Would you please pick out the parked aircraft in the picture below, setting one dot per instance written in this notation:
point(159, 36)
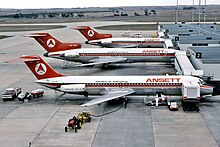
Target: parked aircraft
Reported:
point(109, 87)
point(103, 56)
point(51, 44)
point(106, 40)
point(97, 56)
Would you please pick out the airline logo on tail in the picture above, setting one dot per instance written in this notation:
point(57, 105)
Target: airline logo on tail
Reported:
point(51, 43)
point(40, 69)
point(91, 33)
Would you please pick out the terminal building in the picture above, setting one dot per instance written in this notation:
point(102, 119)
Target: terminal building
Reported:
point(185, 36)
point(202, 46)
point(207, 59)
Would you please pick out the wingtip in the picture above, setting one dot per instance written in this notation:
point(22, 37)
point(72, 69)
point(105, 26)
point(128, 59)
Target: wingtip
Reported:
point(36, 35)
point(83, 105)
point(80, 27)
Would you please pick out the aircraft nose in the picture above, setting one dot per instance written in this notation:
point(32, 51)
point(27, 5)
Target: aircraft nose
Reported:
point(206, 89)
point(46, 55)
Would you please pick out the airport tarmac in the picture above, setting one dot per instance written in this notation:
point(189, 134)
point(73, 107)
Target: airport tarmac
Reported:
point(41, 121)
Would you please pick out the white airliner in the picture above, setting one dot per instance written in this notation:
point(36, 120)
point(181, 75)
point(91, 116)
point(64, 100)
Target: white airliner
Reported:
point(103, 56)
point(96, 56)
point(106, 40)
point(108, 87)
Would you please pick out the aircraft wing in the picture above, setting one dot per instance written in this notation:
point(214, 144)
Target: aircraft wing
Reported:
point(105, 60)
point(110, 95)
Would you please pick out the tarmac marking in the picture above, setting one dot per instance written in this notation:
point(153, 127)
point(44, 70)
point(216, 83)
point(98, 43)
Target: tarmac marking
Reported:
point(47, 122)
point(97, 129)
point(10, 112)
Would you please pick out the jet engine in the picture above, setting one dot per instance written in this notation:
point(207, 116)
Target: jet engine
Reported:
point(106, 42)
point(72, 55)
point(73, 88)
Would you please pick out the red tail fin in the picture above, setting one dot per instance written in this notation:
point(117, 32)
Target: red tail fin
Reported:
point(51, 44)
point(39, 67)
point(91, 34)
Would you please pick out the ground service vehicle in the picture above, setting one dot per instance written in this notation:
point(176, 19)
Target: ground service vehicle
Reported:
point(173, 106)
point(10, 93)
point(23, 96)
point(191, 96)
point(73, 123)
point(37, 93)
point(153, 102)
point(76, 122)
point(190, 106)
point(84, 117)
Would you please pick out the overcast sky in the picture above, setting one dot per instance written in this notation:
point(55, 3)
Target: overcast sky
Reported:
point(94, 3)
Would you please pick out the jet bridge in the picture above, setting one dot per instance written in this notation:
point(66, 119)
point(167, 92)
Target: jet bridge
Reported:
point(184, 66)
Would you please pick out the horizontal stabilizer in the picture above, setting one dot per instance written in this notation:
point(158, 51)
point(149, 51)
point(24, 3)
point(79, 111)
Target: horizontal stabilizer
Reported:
point(80, 27)
point(36, 35)
point(24, 59)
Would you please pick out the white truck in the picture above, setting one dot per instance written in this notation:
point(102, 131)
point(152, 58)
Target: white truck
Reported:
point(191, 96)
point(191, 91)
point(10, 93)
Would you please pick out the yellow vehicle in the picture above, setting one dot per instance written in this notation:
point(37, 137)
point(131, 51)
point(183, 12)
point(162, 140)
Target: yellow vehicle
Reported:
point(84, 117)
point(76, 122)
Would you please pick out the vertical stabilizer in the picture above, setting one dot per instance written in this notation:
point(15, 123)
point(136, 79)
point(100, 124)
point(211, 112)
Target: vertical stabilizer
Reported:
point(51, 44)
point(39, 67)
point(91, 34)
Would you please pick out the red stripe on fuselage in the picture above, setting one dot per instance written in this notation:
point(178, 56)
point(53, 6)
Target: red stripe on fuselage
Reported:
point(134, 85)
point(128, 54)
point(128, 85)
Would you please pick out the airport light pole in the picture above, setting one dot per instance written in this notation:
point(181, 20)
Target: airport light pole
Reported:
point(199, 15)
point(204, 13)
point(215, 19)
point(193, 12)
point(177, 11)
point(214, 14)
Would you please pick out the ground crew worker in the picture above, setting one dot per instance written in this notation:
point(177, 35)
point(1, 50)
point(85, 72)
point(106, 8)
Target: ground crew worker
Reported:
point(125, 102)
point(157, 100)
point(163, 97)
point(74, 118)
